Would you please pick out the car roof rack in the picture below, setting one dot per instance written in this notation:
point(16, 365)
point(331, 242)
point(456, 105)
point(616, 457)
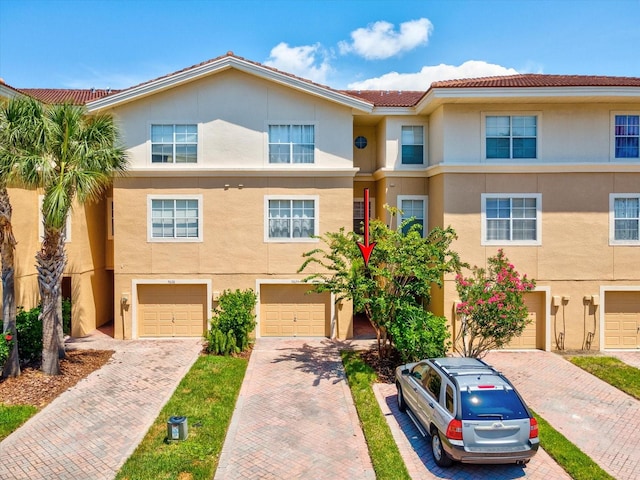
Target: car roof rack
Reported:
point(454, 366)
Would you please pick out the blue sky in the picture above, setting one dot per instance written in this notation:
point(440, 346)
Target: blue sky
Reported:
point(376, 44)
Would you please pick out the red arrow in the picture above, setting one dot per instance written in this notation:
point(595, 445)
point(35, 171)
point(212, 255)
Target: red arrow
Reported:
point(367, 248)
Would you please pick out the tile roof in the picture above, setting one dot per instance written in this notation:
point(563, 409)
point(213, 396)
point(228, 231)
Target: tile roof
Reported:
point(388, 98)
point(61, 95)
point(539, 80)
point(379, 98)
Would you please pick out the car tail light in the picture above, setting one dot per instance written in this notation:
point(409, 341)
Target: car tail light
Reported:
point(533, 428)
point(486, 386)
point(454, 430)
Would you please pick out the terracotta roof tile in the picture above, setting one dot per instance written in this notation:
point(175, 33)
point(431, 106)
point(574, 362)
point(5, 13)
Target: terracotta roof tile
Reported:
point(388, 98)
point(60, 95)
point(539, 80)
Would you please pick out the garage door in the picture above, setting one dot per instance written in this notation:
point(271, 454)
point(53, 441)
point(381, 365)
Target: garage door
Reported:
point(621, 319)
point(533, 335)
point(289, 311)
point(172, 310)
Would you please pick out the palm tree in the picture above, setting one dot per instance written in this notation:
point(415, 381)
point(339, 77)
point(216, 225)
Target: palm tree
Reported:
point(12, 145)
point(75, 158)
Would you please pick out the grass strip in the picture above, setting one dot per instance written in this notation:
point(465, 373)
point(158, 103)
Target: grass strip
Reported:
point(613, 371)
point(386, 459)
point(578, 465)
point(206, 396)
point(12, 416)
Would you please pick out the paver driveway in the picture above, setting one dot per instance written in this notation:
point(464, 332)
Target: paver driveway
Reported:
point(416, 451)
point(89, 431)
point(295, 417)
point(600, 419)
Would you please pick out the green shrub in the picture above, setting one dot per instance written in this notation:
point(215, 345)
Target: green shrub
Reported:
point(29, 329)
point(232, 323)
point(6, 342)
point(66, 316)
point(418, 334)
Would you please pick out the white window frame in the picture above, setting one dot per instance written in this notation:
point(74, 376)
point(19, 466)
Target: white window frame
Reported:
point(173, 164)
point(511, 114)
point(151, 238)
point(372, 208)
point(67, 227)
point(612, 220)
point(536, 242)
point(291, 163)
point(316, 220)
point(110, 218)
point(425, 208)
point(612, 152)
point(423, 144)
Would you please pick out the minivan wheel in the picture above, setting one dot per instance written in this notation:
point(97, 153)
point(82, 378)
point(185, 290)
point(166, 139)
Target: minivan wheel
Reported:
point(402, 406)
point(439, 455)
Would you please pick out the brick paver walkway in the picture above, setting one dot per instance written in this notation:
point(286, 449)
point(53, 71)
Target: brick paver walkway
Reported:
point(295, 417)
point(91, 429)
point(600, 419)
point(416, 451)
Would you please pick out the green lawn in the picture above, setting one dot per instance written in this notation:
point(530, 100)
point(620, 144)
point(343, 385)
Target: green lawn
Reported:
point(207, 397)
point(383, 450)
point(622, 376)
point(12, 416)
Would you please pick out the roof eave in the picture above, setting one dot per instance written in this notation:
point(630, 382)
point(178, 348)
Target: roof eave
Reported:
point(219, 65)
point(437, 96)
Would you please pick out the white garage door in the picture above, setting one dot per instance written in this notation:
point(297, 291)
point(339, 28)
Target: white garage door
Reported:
point(289, 311)
point(533, 335)
point(621, 319)
point(172, 310)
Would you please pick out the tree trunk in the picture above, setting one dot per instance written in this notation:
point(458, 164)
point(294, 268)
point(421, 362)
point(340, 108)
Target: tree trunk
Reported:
point(51, 260)
point(7, 248)
point(59, 330)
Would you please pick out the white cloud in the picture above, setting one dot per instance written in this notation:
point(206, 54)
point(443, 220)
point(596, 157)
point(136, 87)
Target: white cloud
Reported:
point(379, 40)
point(422, 79)
point(309, 61)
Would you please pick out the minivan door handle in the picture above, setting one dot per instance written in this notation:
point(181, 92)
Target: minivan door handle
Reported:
point(431, 404)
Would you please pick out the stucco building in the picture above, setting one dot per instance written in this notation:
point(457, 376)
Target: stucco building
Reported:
point(235, 165)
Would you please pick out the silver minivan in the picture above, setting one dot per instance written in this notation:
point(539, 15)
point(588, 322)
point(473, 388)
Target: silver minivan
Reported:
point(471, 411)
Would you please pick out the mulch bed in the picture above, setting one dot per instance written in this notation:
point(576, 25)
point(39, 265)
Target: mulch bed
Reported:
point(33, 387)
point(384, 367)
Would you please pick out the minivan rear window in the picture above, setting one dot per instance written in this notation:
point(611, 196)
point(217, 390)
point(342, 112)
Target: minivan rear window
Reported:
point(501, 404)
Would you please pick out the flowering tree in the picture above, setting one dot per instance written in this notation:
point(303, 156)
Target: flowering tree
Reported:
point(492, 306)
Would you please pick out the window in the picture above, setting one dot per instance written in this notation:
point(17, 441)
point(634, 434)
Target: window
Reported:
point(291, 143)
point(624, 221)
point(291, 218)
point(433, 383)
point(174, 218)
point(174, 143)
point(412, 207)
point(511, 219)
point(412, 145)
point(448, 399)
point(358, 213)
point(627, 132)
point(511, 136)
point(502, 403)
